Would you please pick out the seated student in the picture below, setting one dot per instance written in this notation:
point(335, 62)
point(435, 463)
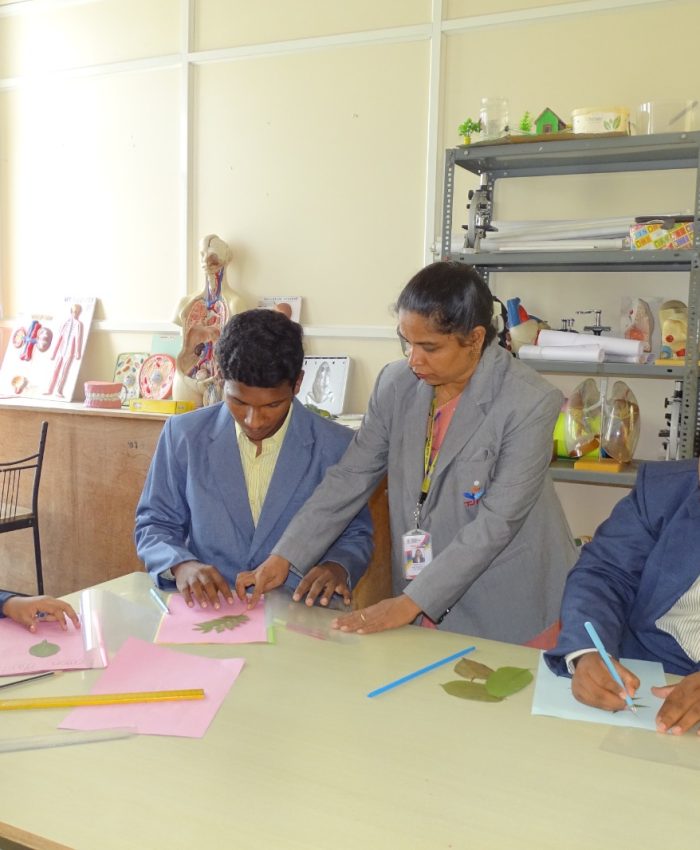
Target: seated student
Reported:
point(226, 480)
point(30, 610)
point(638, 582)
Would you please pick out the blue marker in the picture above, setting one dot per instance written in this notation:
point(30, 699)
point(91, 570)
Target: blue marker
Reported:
point(416, 673)
point(598, 643)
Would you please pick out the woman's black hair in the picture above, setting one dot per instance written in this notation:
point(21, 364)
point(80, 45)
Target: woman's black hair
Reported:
point(453, 296)
point(261, 348)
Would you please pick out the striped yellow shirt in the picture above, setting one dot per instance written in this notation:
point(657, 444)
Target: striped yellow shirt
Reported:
point(258, 469)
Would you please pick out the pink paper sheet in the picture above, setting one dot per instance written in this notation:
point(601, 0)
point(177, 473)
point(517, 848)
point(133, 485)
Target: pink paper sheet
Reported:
point(180, 625)
point(141, 666)
point(16, 641)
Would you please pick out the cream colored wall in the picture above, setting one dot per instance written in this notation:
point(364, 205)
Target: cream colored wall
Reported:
point(310, 137)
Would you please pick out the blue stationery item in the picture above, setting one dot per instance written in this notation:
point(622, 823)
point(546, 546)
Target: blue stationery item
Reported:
point(158, 600)
point(598, 643)
point(512, 308)
point(416, 673)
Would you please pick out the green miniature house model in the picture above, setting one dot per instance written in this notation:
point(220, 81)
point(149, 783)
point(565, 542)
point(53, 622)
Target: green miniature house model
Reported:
point(548, 122)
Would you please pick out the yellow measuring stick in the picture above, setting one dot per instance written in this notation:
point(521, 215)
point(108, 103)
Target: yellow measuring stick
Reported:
point(100, 699)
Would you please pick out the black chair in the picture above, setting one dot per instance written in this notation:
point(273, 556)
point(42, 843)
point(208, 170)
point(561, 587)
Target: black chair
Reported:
point(17, 479)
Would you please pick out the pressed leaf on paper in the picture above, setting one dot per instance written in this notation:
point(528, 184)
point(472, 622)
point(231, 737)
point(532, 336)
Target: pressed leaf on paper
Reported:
point(508, 680)
point(44, 649)
point(472, 669)
point(220, 624)
point(469, 690)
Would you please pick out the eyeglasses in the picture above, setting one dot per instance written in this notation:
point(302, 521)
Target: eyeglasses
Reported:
point(405, 344)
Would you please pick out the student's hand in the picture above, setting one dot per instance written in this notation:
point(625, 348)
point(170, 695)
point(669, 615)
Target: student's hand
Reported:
point(593, 685)
point(270, 574)
point(681, 708)
point(201, 583)
point(325, 579)
point(30, 610)
point(387, 614)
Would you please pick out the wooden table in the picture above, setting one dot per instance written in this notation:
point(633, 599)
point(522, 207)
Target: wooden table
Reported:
point(299, 758)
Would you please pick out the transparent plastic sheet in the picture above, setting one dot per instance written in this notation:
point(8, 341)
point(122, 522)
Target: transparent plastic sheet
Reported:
point(676, 750)
point(108, 620)
point(315, 622)
point(63, 739)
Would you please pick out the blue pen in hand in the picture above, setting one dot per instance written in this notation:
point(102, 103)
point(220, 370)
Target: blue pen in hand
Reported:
point(598, 643)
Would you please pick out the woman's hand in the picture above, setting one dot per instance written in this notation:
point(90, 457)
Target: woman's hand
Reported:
point(593, 685)
point(387, 614)
point(30, 610)
point(681, 708)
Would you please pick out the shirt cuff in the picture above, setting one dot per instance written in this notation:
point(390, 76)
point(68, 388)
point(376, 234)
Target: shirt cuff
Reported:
point(572, 656)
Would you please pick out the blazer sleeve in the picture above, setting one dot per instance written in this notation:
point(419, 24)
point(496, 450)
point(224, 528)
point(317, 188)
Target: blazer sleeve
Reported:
point(603, 584)
point(519, 475)
point(353, 549)
point(341, 495)
point(4, 596)
point(162, 513)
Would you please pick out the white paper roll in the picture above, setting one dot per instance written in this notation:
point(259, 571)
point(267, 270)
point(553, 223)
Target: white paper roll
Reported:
point(572, 353)
point(609, 344)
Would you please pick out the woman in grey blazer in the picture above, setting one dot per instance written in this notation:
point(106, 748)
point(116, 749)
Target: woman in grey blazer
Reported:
point(500, 547)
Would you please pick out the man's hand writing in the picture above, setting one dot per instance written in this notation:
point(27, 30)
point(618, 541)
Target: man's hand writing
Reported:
point(593, 685)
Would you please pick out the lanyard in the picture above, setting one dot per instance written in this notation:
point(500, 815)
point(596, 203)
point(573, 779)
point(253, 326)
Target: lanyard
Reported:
point(428, 464)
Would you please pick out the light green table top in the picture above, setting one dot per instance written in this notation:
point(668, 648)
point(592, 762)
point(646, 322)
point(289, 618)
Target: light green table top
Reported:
point(299, 758)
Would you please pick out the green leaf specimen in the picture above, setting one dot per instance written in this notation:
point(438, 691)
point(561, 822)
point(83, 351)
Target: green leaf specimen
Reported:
point(472, 669)
point(470, 690)
point(495, 684)
point(44, 649)
point(508, 680)
point(220, 624)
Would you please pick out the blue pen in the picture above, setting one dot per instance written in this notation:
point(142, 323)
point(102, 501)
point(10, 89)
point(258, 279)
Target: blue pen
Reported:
point(598, 643)
point(158, 600)
point(416, 673)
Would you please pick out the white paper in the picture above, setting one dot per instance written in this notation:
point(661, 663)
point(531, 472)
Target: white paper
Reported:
point(567, 353)
point(609, 344)
point(553, 697)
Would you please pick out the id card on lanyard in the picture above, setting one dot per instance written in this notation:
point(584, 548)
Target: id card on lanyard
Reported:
point(416, 546)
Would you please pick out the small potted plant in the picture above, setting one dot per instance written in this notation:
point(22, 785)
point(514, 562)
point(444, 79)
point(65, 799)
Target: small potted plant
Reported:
point(525, 125)
point(466, 128)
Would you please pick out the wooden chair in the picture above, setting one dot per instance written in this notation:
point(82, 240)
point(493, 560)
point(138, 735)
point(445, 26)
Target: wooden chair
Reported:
point(19, 478)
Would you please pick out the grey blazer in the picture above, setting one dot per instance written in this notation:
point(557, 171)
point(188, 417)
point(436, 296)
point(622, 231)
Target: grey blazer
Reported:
point(499, 564)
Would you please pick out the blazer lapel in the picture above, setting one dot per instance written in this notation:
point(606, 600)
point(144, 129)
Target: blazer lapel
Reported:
point(292, 464)
point(227, 471)
point(413, 430)
point(471, 410)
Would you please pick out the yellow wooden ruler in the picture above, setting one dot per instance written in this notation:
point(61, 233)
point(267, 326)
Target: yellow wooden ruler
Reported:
point(100, 699)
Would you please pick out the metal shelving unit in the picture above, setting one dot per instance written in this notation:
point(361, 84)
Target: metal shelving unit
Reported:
point(586, 155)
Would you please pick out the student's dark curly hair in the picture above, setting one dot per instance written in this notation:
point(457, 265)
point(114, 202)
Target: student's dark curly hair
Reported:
point(453, 296)
point(260, 348)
